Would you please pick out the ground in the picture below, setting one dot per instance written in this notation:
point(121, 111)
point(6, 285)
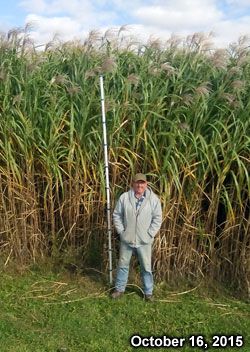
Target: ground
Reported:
point(43, 311)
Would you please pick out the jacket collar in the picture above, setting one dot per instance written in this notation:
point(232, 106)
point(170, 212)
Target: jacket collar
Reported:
point(132, 199)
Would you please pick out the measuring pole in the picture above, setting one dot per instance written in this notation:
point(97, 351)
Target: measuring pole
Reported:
point(105, 146)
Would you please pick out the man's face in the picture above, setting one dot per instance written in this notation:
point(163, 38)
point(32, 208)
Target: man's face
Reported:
point(139, 186)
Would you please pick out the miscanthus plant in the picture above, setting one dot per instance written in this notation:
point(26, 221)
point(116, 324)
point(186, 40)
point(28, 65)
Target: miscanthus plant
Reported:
point(178, 111)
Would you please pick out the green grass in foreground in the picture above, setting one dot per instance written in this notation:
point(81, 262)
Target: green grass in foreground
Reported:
point(48, 311)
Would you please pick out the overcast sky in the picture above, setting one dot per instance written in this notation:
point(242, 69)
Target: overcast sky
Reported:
point(72, 19)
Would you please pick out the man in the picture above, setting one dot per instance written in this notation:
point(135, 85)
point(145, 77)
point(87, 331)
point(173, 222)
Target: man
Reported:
point(137, 218)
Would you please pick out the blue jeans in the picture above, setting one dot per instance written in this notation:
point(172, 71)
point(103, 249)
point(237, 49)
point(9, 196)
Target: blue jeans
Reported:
point(144, 256)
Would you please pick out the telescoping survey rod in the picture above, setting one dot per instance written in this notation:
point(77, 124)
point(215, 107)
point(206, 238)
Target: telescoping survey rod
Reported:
point(105, 146)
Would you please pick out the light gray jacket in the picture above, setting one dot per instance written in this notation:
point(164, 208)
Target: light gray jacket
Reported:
point(137, 227)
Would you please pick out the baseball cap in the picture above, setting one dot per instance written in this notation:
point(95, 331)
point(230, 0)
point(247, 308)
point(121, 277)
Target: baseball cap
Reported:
point(140, 177)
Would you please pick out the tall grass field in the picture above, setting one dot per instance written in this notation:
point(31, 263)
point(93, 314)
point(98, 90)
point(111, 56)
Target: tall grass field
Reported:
point(178, 111)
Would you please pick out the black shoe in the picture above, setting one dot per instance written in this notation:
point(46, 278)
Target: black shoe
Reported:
point(116, 294)
point(149, 298)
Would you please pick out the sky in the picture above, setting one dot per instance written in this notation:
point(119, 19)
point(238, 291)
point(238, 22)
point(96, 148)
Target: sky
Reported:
point(227, 20)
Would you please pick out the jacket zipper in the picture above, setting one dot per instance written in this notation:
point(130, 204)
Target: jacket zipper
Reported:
point(136, 225)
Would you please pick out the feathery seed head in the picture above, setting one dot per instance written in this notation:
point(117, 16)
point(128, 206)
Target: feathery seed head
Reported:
point(123, 28)
point(108, 65)
point(133, 79)
point(235, 70)
point(203, 89)
point(238, 84)
point(174, 41)
point(73, 90)
point(90, 73)
point(220, 58)
point(13, 33)
point(187, 99)
point(168, 68)
point(199, 41)
point(94, 36)
point(230, 98)
point(154, 71)
point(110, 33)
point(154, 43)
point(59, 79)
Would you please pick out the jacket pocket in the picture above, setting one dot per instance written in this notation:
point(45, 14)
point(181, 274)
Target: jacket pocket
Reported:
point(126, 236)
